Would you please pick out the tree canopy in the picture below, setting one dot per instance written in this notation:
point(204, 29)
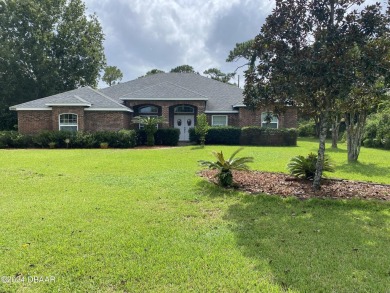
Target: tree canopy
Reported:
point(217, 74)
point(47, 47)
point(183, 69)
point(112, 75)
point(314, 54)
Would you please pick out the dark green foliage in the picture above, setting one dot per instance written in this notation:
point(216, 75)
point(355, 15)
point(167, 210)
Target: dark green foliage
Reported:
point(254, 135)
point(8, 119)
point(377, 131)
point(46, 47)
point(225, 167)
point(167, 136)
point(65, 139)
point(306, 128)
point(305, 167)
point(163, 136)
point(224, 135)
point(12, 139)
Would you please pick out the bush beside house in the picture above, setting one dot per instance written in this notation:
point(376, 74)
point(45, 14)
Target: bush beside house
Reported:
point(260, 136)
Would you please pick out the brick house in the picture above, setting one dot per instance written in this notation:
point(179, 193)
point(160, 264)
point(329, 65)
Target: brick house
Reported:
point(178, 97)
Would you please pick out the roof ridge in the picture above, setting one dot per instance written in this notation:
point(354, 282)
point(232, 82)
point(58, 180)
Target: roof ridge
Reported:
point(105, 96)
point(187, 89)
point(147, 87)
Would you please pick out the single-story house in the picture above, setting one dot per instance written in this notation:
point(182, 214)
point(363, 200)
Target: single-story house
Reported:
point(178, 97)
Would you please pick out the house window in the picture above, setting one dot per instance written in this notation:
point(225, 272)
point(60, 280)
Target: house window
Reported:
point(68, 122)
point(184, 109)
point(269, 120)
point(147, 111)
point(219, 120)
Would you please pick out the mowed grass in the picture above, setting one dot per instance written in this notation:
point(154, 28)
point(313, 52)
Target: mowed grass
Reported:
point(143, 221)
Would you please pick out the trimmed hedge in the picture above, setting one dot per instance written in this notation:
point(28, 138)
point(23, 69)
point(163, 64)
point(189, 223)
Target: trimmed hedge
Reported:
point(115, 139)
point(254, 135)
point(163, 136)
point(225, 135)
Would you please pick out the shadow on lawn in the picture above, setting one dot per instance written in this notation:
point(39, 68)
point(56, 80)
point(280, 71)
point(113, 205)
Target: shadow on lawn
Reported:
point(313, 245)
point(365, 169)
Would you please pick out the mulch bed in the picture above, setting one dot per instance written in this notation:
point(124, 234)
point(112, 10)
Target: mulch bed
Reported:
point(285, 185)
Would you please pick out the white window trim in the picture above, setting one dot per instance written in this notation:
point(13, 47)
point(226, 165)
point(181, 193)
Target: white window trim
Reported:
point(226, 116)
point(264, 121)
point(59, 121)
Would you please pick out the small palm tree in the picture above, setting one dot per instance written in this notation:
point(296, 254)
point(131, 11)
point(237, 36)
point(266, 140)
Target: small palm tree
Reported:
point(225, 167)
point(305, 167)
point(150, 126)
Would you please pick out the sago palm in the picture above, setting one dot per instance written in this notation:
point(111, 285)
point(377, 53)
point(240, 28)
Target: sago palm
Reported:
point(305, 167)
point(225, 167)
point(150, 126)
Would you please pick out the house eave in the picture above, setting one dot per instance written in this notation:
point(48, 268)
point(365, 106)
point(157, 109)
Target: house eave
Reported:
point(29, 109)
point(221, 112)
point(109, 110)
point(164, 99)
point(67, 105)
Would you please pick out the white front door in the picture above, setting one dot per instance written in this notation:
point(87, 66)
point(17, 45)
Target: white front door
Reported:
point(184, 122)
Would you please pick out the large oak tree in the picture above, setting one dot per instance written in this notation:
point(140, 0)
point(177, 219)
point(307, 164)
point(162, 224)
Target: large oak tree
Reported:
point(306, 54)
point(47, 47)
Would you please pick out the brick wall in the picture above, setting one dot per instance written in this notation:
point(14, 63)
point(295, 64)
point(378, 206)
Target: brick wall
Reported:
point(232, 119)
point(79, 111)
point(166, 108)
point(113, 121)
point(249, 117)
point(31, 122)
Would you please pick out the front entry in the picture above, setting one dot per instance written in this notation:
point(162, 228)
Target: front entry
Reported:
point(184, 122)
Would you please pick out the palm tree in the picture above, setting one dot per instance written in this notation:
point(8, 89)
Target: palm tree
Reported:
point(225, 167)
point(150, 126)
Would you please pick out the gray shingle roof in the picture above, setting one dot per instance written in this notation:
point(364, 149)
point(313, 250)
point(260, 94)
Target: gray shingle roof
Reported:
point(92, 99)
point(220, 96)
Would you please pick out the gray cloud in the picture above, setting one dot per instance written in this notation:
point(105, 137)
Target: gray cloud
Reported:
point(146, 34)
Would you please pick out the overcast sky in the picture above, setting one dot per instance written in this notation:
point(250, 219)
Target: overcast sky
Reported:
point(146, 34)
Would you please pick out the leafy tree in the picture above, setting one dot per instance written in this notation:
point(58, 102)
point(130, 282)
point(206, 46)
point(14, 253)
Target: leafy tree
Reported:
point(154, 71)
point(225, 167)
point(47, 47)
point(305, 55)
point(216, 74)
point(112, 75)
point(243, 50)
point(202, 127)
point(150, 125)
point(183, 69)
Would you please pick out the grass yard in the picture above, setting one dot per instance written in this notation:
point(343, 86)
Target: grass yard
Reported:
point(143, 221)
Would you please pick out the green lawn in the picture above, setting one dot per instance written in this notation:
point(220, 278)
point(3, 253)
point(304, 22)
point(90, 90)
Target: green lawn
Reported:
point(143, 221)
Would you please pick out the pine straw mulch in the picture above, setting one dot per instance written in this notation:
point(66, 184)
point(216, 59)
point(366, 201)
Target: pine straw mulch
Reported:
point(285, 185)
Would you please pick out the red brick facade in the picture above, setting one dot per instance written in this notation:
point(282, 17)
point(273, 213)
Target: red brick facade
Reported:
point(31, 122)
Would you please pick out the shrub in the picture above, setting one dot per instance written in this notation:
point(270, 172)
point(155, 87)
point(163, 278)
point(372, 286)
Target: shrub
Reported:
point(254, 135)
point(13, 139)
point(167, 136)
point(224, 135)
point(225, 167)
point(150, 126)
point(305, 167)
point(306, 128)
point(202, 128)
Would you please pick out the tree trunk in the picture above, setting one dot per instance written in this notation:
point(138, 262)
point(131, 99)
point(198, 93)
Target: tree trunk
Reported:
point(355, 123)
point(335, 131)
point(321, 152)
